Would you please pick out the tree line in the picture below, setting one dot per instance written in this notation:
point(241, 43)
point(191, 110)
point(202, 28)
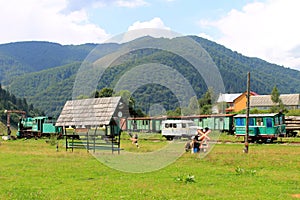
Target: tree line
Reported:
point(9, 101)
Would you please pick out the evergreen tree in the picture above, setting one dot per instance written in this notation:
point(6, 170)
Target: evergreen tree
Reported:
point(194, 106)
point(206, 102)
point(106, 92)
point(275, 96)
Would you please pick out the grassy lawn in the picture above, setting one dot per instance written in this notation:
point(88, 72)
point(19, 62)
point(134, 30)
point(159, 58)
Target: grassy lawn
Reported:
point(33, 169)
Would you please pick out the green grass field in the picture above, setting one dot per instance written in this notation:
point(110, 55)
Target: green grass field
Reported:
point(33, 169)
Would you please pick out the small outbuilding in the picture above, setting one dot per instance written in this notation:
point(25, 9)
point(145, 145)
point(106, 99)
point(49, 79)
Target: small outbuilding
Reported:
point(93, 120)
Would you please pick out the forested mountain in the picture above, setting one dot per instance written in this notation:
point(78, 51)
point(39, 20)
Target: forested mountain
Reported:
point(44, 72)
point(233, 67)
point(9, 101)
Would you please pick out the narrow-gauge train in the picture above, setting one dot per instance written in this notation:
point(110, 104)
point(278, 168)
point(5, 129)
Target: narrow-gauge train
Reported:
point(263, 127)
point(36, 127)
point(221, 122)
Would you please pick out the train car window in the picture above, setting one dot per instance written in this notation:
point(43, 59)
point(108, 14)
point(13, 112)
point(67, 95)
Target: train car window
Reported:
point(269, 122)
point(166, 125)
point(183, 125)
point(281, 118)
point(276, 121)
point(251, 122)
point(240, 122)
point(174, 125)
point(259, 122)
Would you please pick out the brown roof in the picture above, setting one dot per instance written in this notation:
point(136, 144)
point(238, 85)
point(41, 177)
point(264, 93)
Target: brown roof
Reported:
point(85, 112)
point(265, 100)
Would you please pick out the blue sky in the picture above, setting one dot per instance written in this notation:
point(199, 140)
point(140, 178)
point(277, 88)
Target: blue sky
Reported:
point(181, 16)
point(267, 29)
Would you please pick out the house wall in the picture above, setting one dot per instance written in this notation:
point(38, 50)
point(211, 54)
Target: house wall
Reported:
point(240, 103)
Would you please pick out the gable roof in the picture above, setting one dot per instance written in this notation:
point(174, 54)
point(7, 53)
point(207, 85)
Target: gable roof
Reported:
point(228, 97)
point(95, 111)
point(265, 100)
point(245, 95)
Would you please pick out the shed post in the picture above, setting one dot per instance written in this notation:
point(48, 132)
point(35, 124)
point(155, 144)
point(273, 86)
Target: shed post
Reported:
point(65, 134)
point(95, 132)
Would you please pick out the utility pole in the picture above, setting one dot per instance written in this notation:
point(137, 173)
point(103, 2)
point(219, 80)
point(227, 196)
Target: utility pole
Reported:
point(247, 114)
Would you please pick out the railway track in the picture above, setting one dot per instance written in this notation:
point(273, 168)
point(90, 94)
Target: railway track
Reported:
point(226, 141)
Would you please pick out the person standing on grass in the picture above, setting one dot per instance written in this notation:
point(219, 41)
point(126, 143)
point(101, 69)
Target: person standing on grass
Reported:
point(134, 140)
point(196, 142)
point(204, 139)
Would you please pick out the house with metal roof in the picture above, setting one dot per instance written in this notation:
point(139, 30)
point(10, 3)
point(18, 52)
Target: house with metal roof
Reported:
point(234, 102)
point(264, 102)
point(228, 99)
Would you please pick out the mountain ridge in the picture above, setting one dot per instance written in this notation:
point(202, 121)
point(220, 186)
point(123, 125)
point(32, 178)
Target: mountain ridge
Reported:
point(44, 72)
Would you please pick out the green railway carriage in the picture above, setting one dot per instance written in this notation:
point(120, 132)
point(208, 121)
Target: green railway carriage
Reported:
point(144, 124)
point(265, 127)
point(221, 122)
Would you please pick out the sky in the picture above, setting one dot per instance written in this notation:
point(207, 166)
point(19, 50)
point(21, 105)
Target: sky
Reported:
point(267, 29)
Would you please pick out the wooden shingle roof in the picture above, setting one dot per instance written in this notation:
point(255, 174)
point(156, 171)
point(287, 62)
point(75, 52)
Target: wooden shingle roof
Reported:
point(88, 112)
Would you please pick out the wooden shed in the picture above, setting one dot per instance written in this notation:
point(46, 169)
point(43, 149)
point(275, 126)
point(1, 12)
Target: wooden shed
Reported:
point(93, 120)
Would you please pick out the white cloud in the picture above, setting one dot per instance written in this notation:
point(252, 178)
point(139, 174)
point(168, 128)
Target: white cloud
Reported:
point(131, 3)
point(44, 20)
point(73, 5)
point(206, 36)
point(153, 23)
point(267, 30)
point(154, 28)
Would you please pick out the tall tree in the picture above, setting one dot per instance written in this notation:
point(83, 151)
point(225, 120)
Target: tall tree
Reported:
point(205, 102)
point(206, 98)
point(106, 92)
point(275, 96)
point(193, 105)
